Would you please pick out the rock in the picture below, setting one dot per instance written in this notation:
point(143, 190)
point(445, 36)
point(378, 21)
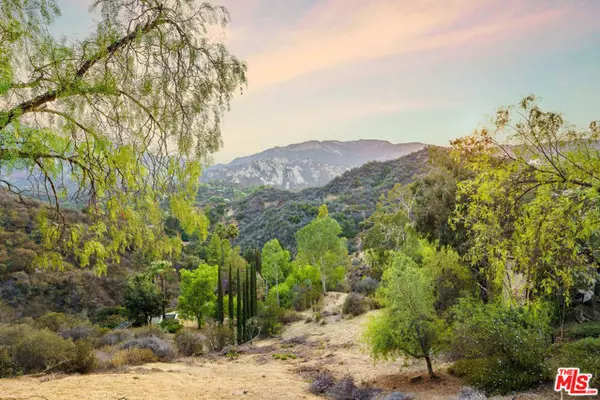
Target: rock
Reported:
point(468, 393)
point(394, 396)
point(416, 379)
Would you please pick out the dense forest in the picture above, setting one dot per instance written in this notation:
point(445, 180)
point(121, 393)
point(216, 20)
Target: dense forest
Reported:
point(482, 254)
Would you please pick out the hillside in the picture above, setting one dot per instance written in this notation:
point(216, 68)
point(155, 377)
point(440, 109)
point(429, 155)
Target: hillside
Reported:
point(351, 198)
point(307, 164)
point(28, 291)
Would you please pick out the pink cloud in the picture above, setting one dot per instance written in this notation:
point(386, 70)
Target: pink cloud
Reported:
point(338, 33)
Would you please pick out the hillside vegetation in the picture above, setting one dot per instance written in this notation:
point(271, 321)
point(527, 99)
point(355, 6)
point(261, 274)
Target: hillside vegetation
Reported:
point(351, 198)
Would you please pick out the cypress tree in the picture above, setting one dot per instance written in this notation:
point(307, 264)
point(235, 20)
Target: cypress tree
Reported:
point(247, 304)
point(219, 297)
point(239, 309)
point(230, 297)
point(243, 308)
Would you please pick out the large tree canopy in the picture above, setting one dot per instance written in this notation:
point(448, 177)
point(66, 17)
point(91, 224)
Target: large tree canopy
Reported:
point(118, 122)
point(532, 205)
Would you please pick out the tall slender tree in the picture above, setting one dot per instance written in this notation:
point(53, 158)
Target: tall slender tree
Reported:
point(239, 309)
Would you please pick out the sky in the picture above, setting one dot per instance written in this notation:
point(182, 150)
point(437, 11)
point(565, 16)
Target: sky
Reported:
point(397, 70)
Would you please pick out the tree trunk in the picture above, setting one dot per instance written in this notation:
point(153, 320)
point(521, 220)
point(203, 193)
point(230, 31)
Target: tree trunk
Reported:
point(199, 320)
point(430, 367)
point(323, 279)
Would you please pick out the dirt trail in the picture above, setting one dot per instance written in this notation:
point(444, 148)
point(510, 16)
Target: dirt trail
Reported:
point(259, 372)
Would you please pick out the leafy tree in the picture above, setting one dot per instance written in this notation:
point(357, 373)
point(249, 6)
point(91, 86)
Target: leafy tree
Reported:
point(198, 292)
point(163, 271)
point(276, 264)
point(390, 228)
point(125, 116)
point(141, 299)
point(320, 246)
point(532, 205)
point(409, 324)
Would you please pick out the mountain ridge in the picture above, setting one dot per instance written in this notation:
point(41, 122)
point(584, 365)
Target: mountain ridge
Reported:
point(306, 164)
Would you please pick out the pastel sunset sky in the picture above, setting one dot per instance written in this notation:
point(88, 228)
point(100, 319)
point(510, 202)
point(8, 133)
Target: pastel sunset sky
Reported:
point(398, 70)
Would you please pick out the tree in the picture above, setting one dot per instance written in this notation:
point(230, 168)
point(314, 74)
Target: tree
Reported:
point(197, 292)
point(232, 233)
point(163, 270)
point(532, 204)
point(319, 245)
point(141, 300)
point(124, 117)
point(409, 324)
point(275, 266)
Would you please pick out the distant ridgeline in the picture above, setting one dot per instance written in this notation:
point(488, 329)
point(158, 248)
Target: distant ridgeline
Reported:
point(302, 165)
point(269, 213)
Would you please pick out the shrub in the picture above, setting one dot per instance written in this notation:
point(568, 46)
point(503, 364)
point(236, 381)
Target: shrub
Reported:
point(497, 375)
point(217, 337)
point(79, 332)
point(161, 348)
point(321, 384)
point(189, 343)
point(109, 317)
point(346, 389)
point(43, 350)
point(269, 318)
point(147, 331)
point(116, 337)
point(587, 329)
point(84, 360)
point(132, 356)
point(289, 316)
point(52, 320)
point(171, 325)
point(354, 305)
point(366, 285)
point(11, 334)
point(584, 354)
point(7, 366)
point(503, 348)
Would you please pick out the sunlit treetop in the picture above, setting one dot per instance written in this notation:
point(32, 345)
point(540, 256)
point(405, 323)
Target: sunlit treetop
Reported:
point(119, 121)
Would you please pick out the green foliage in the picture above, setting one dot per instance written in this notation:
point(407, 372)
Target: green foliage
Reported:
point(281, 295)
point(452, 279)
point(587, 329)
point(305, 282)
point(198, 292)
point(162, 271)
point(389, 229)
point(499, 342)
point(532, 203)
point(275, 265)
point(496, 375)
point(583, 354)
point(319, 245)
point(409, 324)
point(269, 317)
point(64, 124)
point(142, 300)
point(171, 325)
point(42, 350)
point(109, 317)
point(349, 206)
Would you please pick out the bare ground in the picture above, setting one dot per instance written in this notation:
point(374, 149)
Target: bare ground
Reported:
point(258, 372)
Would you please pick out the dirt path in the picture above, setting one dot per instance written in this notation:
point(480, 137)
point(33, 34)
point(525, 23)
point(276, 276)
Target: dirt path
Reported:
point(278, 368)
